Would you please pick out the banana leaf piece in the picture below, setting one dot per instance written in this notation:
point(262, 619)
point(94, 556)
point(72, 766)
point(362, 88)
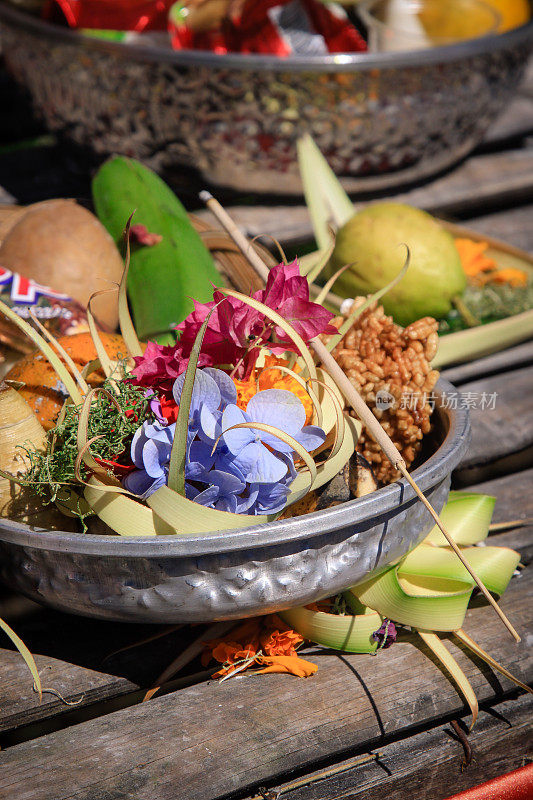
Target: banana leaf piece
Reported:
point(165, 276)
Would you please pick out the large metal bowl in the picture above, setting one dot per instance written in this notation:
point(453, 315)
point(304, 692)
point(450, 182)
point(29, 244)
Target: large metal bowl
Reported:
point(236, 573)
point(381, 119)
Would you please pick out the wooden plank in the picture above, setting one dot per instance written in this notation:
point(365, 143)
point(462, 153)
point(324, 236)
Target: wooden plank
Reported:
point(512, 225)
point(428, 765)
point(514, 501)
point(501, 414)
point(70, 653)
point(516, 122)
point(514, 357)
point(213, 739)
point(481, 182)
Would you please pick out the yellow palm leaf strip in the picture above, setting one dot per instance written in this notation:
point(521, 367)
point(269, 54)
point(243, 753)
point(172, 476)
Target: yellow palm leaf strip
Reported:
point(472, 645)
point(334, 340)
point(437, 604)
point(176, 467)
point(340, 418)
point(467, 516)
point(49, 353)
point(502, 527)
point(446, 658)
point(107, 365)
point(351, 633)
point(78, 377)
point(495, 565)
point(127, 328)
point(313, 271)
point(356, 401)
point(125, 516)
point(273, 239)
point(26, 655)
point(326, 471)
point(323, 293)
point(303, 383)
point(481, 586)
point(185, 517)
point(90, 367)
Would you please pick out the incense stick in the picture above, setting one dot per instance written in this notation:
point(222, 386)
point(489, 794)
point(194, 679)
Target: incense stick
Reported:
point(355, 400)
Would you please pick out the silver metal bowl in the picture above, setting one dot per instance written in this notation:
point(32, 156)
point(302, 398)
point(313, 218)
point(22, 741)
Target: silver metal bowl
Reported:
point(241, 573)
point(381, 119)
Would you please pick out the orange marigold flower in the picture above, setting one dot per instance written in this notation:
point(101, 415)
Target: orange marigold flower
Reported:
point(267, 378)
point(511, 275)
point(266, 640)
point(226, 652)
point(280, 643)
point(473, 258)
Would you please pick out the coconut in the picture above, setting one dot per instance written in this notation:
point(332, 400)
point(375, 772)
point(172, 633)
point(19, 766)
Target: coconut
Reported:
point(60, 244)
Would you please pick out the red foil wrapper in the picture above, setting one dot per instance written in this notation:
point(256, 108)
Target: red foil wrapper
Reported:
point(517, 785)
point(117, 15)
point(273, 27)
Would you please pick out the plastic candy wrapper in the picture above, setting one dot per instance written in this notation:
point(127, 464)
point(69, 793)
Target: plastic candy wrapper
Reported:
point(59, 313)
point(276, 27)
point(110, 15)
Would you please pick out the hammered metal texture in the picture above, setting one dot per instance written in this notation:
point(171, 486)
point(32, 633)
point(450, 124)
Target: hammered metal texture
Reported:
point(238, 126)
point(233, 574)
point(217, 587)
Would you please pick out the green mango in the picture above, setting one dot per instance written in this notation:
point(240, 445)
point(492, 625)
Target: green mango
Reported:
point(372, 240)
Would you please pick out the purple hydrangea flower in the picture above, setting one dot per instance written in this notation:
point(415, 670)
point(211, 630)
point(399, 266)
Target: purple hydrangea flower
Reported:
point(150, 452)
point(252, 449)
point(212, 391)
point(241, 470)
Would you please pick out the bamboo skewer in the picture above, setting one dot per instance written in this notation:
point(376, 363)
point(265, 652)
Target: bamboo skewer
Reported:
point(355, 400)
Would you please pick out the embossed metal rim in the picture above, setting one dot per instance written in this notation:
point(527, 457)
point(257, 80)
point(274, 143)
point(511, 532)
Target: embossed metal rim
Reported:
point(435, 469)
point(342, 62)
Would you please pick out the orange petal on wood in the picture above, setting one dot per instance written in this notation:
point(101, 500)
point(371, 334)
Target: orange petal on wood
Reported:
point(291, 665)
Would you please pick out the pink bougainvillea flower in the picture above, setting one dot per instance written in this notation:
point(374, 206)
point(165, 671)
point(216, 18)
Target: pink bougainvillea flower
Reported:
point(236, 330)
point(287, 292)
point(159, 366)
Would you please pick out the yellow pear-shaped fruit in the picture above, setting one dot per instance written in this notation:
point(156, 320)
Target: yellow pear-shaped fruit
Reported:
point(371, 241)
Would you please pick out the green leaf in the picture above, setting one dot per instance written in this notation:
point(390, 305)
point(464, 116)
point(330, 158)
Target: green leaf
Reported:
point(349, 633)
point(326, 200)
